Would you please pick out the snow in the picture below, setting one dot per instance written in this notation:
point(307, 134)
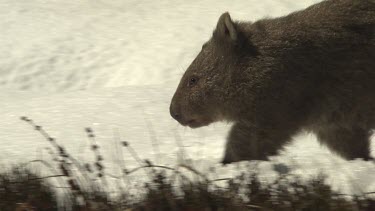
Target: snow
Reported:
point(68, 45)
point(114, 66)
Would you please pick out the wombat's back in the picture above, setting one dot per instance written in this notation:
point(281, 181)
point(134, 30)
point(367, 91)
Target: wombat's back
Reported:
point(328, 51)
point(333, 28)
point(342, 35)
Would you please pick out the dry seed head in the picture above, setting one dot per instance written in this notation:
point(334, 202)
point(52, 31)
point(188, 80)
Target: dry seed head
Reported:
point(64, 170)
point(23, 118)
point(88, 167)
point(125, 171)
point(99, 166)
point(148, 162)
point(99, 158)
point(73, 184)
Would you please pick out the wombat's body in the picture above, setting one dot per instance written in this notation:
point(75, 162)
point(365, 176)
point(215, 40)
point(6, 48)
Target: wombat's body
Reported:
point(312, 70)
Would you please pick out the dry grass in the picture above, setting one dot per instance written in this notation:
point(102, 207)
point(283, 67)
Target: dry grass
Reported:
point(87, 188)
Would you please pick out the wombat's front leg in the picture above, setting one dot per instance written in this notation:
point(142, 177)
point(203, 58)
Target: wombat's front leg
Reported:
point(247, 143)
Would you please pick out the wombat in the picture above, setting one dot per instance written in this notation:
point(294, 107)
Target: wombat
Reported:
point(312, 70)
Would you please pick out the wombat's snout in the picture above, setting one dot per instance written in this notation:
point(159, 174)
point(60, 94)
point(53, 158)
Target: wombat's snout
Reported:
point(173, 112)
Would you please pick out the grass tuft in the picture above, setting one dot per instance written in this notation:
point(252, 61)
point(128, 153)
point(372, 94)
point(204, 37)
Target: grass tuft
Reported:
point(86, 187)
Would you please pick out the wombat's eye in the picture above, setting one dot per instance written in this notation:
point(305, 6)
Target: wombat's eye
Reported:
point(193, 81)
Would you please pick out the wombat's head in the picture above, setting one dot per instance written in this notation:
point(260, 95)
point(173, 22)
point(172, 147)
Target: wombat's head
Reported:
point(201, 96)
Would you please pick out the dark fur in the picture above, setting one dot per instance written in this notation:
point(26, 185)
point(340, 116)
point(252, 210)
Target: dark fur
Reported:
point(312, 70)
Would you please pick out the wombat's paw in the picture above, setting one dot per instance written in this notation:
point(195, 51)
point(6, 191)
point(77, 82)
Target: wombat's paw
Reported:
point(226, 161)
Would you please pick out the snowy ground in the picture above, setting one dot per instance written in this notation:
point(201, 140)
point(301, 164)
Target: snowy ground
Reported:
point(113, 66)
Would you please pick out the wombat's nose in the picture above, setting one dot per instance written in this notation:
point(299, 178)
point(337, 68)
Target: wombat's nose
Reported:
point(173, 113)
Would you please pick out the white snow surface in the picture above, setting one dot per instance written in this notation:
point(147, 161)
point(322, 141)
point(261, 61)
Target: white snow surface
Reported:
point(114, 66)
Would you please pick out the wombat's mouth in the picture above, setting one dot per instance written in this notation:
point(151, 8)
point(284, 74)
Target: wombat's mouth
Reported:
point(195, 123)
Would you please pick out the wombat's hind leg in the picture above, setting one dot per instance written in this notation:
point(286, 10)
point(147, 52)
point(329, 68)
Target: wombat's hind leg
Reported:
point(247, 143)
point(348, 143)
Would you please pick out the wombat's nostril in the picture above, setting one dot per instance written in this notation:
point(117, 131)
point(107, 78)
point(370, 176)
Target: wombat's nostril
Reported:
point(174, 114)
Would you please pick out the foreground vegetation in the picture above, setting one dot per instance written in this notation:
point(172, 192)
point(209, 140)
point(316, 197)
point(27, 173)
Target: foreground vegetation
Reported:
point(84, 187)
point(22, 190)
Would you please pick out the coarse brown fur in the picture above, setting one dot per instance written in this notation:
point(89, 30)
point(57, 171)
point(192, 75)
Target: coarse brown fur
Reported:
point(311, 70)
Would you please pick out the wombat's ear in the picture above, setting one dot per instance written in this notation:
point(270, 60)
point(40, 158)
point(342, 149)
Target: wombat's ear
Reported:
point(226, 28)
